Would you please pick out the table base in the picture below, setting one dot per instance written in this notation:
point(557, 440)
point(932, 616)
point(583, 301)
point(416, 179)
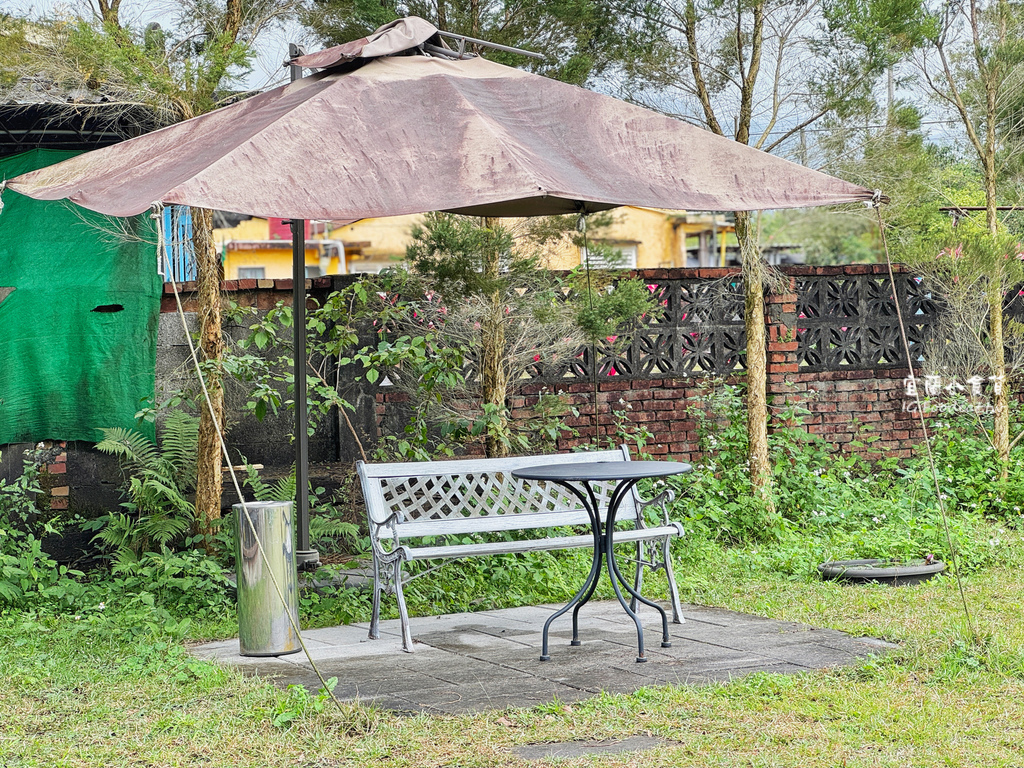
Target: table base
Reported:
point(604, 551)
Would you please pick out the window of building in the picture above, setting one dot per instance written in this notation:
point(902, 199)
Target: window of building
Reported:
point(252, 273)
point(610, 256)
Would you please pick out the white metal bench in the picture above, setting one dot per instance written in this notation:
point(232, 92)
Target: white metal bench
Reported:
point(425, 510)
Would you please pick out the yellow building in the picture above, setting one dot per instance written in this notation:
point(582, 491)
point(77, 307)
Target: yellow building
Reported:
point(643, 237)
point(262, 248)
point(649, 238)
point(372, 244)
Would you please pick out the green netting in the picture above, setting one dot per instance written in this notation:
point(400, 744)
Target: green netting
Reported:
point(78, 330)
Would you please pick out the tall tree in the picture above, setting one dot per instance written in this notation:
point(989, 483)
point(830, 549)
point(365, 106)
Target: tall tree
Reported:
point(975, 65)
point(775, 67)
point(175, 74)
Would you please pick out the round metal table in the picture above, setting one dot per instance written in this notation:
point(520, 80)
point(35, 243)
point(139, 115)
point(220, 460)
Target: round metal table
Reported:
point(577, 479)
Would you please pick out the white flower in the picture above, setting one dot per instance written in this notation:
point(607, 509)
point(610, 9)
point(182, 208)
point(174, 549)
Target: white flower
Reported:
point(101, 606)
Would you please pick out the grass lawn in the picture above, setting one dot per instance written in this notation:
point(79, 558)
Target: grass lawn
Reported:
point(98, 692)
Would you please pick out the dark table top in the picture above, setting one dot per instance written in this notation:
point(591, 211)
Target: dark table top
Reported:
point(601, 470)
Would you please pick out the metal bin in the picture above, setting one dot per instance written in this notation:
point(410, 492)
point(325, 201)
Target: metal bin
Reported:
point(264, 628)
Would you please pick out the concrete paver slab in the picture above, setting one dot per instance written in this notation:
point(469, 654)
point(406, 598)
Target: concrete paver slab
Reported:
point(490, 660)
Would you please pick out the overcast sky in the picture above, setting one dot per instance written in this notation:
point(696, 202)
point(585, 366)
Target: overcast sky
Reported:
point(272, 46)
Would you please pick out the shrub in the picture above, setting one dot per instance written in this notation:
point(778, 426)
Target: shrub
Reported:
point(835, 505)
point(28, 576)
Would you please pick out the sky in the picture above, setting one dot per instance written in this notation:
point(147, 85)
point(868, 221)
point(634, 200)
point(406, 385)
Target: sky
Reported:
point(272, 45)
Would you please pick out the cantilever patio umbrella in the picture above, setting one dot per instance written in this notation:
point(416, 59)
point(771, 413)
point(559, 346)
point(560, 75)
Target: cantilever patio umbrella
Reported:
point(395, 124)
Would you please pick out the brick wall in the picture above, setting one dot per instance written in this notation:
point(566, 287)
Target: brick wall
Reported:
point(859, 409)
point(856, 408)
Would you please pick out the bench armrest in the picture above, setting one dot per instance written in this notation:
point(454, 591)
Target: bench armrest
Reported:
point(379, 532)
point(662, 500)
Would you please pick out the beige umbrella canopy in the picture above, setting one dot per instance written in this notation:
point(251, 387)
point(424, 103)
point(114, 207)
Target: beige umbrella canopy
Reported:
point(387, 129)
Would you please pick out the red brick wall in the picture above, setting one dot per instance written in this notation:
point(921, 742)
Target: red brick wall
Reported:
point(860, 410)
point(860, 407)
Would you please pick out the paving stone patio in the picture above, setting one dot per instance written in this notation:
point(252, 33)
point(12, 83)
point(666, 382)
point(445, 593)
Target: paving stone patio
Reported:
point(472, 662)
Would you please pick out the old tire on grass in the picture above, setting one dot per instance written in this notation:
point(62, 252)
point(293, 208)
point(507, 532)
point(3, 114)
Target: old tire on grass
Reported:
point(879, 572)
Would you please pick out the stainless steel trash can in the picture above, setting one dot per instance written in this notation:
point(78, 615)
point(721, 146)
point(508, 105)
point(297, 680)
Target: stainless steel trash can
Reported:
point(264, 628)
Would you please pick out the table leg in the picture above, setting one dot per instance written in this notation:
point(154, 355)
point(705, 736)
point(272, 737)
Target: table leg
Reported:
point(616, 576)
point(588, 587)
point(599, 552)
point(665, 641)
point(587, 590)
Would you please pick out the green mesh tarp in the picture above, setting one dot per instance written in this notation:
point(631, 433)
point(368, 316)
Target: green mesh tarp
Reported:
point(79, 307)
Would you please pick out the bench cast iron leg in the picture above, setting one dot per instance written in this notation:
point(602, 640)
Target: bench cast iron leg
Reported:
point(402, 611)
point(377, 589)
point(677, 609)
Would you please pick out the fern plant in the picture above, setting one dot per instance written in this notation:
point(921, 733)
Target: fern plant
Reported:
point(157, 483)
point(282, 490)
point(327, 530)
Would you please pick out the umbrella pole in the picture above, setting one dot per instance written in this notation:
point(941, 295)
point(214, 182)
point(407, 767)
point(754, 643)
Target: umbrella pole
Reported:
point(304, 554)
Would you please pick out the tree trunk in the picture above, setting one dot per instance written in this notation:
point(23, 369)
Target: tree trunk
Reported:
point(474, 18)
point(1001, 417)
point(757, 362)
point(209, 484)
point(493, 373)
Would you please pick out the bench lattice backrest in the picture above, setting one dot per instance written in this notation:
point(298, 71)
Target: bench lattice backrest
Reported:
point(456, 490)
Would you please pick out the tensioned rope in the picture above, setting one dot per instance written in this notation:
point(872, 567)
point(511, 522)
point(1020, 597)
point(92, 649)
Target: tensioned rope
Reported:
point(953, 555)
point(162, 257)
point(581, 227)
